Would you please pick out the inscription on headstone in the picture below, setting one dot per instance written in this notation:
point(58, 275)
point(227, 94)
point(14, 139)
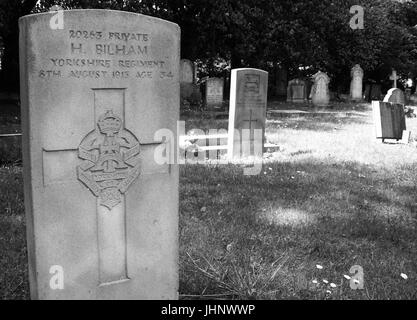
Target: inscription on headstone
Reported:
point(97, 203)
point(247, 112)
point(214, 92)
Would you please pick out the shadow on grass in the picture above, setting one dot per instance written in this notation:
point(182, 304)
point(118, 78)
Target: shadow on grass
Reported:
point(336, 215)
point(260, 237)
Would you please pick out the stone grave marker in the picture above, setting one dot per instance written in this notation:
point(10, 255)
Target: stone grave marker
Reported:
point(320, 94)
point(393, 77)
point(389, 120)
point(189, 89)
point(395, 95)
point(102, 212)
point(297, 91)
point(214, 92)
point(187, 71)
point(247, 112)
point(356, 85)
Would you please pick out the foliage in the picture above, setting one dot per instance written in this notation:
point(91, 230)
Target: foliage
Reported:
point(314, 35)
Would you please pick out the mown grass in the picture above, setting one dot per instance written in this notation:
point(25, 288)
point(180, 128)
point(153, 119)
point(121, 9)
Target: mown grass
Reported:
point(332, 196)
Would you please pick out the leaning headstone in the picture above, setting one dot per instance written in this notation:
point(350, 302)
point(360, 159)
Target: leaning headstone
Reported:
point(247, 112)
point(320, 94)
point(395, 95)
point(214, 92)
point(356, 83)
point(102, 211)
point(389, 120)
point(297, 91)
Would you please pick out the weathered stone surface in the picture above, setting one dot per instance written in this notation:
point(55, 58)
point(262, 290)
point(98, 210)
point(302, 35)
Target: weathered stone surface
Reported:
point(247, 112)
point(356, 85)
point(395, 95)
point(189, 89)
point(99, 207)
point(297, 91)
point(389, 120)
point(187, 71)
point(320, 95)
point(214, 92)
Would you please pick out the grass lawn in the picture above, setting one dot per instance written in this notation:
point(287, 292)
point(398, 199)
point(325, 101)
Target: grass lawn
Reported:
point(332, 196)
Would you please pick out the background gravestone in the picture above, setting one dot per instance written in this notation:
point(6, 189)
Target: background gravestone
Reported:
point(320, 94)
point(214, 92)
point(99, 208)
point(389, 120)
point(356, 83)
point(396, 96)
point(189, 90)
point(247, 112)
point(297, 91)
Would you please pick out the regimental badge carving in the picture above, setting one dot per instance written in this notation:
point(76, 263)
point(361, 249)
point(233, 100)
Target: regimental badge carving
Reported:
point(111, 160)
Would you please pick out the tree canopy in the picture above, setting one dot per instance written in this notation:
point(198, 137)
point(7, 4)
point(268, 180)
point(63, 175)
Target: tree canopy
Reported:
point(304, 36)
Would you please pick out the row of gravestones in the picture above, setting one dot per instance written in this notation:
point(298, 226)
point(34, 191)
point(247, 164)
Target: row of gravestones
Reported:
point(297, 90)
point(210, 88)
point(100, 175)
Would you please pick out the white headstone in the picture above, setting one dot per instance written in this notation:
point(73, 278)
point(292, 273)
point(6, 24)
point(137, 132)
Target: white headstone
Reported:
point(320, 94)
point(394, 78)
point(247, 112)
point(102, 214)
point(356, 83)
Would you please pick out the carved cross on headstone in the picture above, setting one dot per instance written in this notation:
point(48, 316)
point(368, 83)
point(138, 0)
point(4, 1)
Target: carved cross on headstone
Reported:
point(394, 78)
point(250, 124)
point(107, 161)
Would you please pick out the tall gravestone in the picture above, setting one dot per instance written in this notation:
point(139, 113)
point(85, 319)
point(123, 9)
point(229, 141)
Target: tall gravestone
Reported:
point(102, 213)
point(356, 85)
point(214, 92)
point(247, 112)
point(320, 95)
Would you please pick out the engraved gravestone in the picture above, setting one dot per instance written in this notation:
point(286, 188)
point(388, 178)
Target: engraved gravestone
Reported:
point(297, 91)
point(247, 112)
point(320, 95)
point(356, 83)
point(101, 211)
point(189, 90)
point(214, 92)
